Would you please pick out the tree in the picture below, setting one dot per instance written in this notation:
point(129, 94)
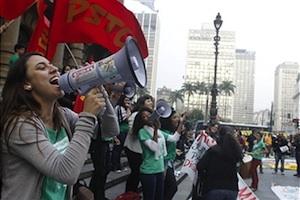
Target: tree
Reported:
point(200, 89)
point(195, 115)
point(208, 88)
point(189, 89)
point(227, 88)
point(175, 96)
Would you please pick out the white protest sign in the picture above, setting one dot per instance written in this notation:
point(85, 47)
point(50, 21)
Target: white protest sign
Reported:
point(195, 153)
point(245, 193)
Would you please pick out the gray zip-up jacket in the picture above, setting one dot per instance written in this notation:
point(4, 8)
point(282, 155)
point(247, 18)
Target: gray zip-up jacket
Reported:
point(31, 156)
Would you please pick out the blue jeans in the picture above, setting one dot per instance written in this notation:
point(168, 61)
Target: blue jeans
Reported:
point(279, 157)
point(153, 186)
point(219, 194)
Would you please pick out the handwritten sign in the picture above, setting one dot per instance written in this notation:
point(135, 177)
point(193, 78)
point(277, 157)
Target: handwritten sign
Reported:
point(195, 153)
point(245, 193)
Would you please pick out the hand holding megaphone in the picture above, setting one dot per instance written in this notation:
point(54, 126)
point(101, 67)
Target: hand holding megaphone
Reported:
point(162, 110)
point(94, 102)
point(124, 66)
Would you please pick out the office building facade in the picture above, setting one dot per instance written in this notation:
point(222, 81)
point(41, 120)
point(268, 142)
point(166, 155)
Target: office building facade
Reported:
point(149, 22)
point(244, 90)
point(286, 75)
point(200, 67)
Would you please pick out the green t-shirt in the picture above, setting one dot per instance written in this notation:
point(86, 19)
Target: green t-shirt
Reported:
point(258, 150)
point(52, 189)
point(150, 165)
point(124, 127)
point(171, 147)
point(13, 59)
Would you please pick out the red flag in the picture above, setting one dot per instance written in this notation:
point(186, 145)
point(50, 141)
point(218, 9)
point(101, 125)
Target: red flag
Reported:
point(104, 22)
point(39, 39)
point(10, 9)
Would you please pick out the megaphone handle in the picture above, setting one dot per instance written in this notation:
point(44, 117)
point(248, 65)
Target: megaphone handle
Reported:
point(107, 101)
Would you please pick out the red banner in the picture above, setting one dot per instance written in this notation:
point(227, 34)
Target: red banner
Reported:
point(39, 39)
point(10, 9)
point(104, 22)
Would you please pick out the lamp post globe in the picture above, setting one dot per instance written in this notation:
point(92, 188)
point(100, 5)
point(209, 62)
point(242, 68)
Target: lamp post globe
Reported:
point(214, 91)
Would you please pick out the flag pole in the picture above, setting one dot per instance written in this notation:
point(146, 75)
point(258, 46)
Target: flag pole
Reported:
point(70, 52)
point(6, 25)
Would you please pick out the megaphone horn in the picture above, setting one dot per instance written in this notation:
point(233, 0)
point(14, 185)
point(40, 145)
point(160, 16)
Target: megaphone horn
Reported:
point(125, 65)
point(162, 110)
point(129, 89)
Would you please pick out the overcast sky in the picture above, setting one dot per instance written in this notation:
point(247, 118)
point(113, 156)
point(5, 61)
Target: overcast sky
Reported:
point(271, 28)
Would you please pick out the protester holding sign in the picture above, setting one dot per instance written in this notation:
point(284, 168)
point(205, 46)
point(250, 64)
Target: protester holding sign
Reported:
point(200, 145)
point(280, 146)
point(221, 158)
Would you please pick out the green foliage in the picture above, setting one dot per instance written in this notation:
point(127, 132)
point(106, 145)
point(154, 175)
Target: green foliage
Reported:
point(195, 115)
point(189, 89)
point(176, 95)
point(227, 87)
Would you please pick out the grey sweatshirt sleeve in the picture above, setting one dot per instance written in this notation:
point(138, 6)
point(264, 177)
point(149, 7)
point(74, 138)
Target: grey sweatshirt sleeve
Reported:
point(109, 122)
point(32, 145)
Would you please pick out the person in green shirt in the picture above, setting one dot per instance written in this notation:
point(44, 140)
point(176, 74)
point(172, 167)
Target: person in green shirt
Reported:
point(19, 51)
point(171, 127)
point(123, 112)
point(153, 151)
point(257, 155)
point(43, 145)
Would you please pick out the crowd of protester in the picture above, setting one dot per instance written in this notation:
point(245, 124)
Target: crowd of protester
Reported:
point(46, 137)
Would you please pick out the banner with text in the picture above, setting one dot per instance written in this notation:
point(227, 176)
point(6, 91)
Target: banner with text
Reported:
point(195, 153)
point(107, 23)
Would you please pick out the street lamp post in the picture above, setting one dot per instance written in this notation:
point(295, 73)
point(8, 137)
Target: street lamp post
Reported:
point(214, 91)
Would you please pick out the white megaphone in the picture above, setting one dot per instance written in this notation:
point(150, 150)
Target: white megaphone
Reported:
point(125, 65)
point(129, 89)
point(162, 110)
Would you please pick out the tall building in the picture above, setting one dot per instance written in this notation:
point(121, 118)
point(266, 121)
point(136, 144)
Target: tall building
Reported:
point(285, 80)
point(296, 99)
point(244, 90)
point(200, 66)
point(149, 22)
